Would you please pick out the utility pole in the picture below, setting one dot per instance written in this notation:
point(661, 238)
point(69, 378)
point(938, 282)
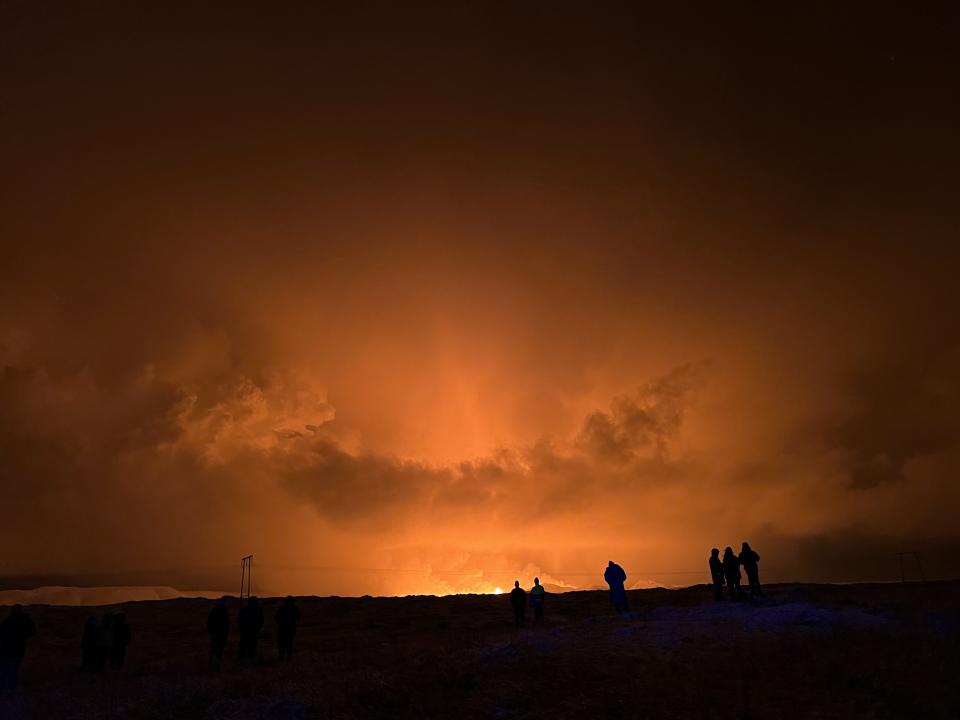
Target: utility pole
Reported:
point(923, 577)
point(246, 575)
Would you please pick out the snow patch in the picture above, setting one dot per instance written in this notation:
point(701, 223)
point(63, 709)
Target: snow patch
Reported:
point(112, 595)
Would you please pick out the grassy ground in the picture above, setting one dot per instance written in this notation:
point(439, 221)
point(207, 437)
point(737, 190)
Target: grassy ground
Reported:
point(862, 651)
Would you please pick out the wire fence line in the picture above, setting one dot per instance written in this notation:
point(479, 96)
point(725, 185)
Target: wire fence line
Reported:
point(466, 573)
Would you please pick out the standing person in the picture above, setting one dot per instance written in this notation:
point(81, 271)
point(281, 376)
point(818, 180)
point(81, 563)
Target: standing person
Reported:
point(731, 571)
point(616, 577)
point(104, 641)
point(287, 617)
point(518, 599)
point(218, 627)
point(88, 643)
point(716, 573)
point(250, 622)
point(121, 639)
point(749, 559)
point(14, 633)
point(537, 596)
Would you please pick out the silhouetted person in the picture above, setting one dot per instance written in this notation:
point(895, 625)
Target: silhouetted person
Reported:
point(88, 643)
point(518, 599)
point(15, 630)
point(749, 559)
point(616, 577)
point(104, 641)
point(287, 617)
point(731, 571)
point(537, 596)
point(121, 640)
point(250, 622)
point(218, 627)
point(716, 573)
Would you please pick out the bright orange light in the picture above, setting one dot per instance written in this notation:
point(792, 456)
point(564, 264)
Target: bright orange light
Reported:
point(497, 591)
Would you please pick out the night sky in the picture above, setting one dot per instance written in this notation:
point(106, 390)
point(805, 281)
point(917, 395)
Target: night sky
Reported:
point(422, 299)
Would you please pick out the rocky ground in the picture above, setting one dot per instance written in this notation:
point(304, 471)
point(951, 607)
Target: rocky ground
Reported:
point(805, 651)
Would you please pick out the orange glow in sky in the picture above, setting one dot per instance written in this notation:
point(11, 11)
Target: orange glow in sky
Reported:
point(398, 314)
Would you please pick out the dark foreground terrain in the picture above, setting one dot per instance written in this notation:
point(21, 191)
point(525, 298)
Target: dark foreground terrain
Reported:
point(807, 651)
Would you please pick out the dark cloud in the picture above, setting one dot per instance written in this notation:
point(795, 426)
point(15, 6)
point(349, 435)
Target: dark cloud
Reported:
point(345, 487)
point(894, 414)
point(860, 553)
point(641, 422)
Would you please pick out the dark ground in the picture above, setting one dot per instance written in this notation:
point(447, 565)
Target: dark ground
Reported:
point(807, 651)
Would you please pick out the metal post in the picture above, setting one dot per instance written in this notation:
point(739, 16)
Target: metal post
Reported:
point(916, 559)
point(246, 575)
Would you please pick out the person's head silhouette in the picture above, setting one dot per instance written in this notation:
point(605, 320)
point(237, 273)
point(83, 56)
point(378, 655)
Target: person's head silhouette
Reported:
point(536, 581)
point(516, 583)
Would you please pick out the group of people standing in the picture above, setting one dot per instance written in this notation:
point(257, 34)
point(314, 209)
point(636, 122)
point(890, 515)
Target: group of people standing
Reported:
point(250, 623)
point(614, 575)
point(728, 570)
point(518, 600)
point(106, 637)
point(105, 640)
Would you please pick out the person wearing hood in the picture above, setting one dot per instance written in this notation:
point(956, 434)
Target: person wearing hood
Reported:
point(615, 577)
point(749, 559)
